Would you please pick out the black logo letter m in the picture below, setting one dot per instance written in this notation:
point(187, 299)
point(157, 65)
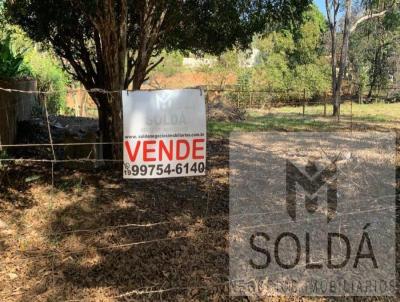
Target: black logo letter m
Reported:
point(311, 182)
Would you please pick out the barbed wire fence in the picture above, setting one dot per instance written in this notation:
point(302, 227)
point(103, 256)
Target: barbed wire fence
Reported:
point(255, 99)
point(241, 99)
point(300, 103)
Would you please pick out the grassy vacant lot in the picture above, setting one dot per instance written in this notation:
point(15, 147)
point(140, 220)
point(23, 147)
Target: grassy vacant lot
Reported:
point(378, 117)
point(95, 237)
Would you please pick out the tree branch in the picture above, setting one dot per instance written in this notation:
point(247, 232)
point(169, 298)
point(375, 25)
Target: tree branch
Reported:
point(336, 7)
point(129, 70)
point(99, 53)
point(88, 61)
point(154, 65)
point(328, 12)
point(365, 18)
point(64, 51)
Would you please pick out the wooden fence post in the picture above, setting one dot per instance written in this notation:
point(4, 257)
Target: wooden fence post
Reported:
point(351, 114)
point(304, 102)
point(325, 104)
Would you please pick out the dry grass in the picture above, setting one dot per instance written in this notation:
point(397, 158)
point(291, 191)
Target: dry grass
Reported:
point(57, 244)
point(46, 258)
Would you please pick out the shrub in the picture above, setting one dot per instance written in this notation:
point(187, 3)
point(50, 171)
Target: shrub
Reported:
point(50, 77)
point(172, 63)
point(12, 63)
point(21, 57)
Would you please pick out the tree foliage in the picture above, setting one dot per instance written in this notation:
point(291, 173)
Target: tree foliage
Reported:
point(171, 64)
point(109, 44)
point(372, 47)
point(74, 28)
point(293, 59)
point(12, 63)
point(341, 31)
point(50, 77)
point(28, 59)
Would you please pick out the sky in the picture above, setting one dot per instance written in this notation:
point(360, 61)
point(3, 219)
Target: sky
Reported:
point(321, 5)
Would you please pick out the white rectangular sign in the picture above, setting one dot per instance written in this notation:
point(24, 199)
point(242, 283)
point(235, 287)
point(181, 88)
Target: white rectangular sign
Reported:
point(164, 133)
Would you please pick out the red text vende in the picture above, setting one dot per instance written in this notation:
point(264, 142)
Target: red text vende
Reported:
point(165, 149)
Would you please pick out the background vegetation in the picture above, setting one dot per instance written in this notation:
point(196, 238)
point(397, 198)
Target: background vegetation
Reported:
point(294, 59)
point(21, 58)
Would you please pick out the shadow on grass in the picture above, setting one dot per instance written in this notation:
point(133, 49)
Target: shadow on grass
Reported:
point(267, 123)
point(297, 122)
point(373, 118)
point(185, 249)
point(94, 260)
point(194, 254)
point(17, 179)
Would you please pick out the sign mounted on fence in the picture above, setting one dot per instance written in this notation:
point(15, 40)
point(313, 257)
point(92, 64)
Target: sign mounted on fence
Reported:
point(164, 133)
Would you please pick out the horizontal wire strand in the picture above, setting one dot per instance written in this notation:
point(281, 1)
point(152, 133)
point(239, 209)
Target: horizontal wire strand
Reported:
point(138, 243)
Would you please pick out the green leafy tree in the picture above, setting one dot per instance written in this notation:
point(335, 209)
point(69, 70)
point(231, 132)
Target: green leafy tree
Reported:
point(308, 37)
point(222, 67)
point(171, 64)
point(50, 77)
point(370, 10)
point(372, 46)
point(23, 58)
point(293, 59)
point(11, 57)
point(109, 44)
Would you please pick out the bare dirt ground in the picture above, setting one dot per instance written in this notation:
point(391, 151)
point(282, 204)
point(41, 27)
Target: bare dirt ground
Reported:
point(95, 237)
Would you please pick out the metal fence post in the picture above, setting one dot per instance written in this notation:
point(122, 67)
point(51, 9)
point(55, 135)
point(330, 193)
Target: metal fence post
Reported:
point(304, 102)
point(325, 104)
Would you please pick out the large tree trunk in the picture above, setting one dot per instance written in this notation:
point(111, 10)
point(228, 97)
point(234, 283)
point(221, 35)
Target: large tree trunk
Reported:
point(115, 67)
point(336, 104)
point(375, 67)
point(110, 124)
point(111, 25)
point(105, 129)
point(117, 122)
point(332, 9)
point(335, 100)
point(343, 60)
